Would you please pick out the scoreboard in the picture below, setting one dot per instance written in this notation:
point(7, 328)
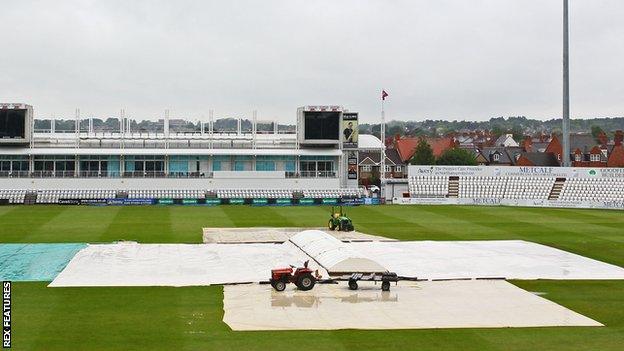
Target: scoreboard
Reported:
point(327, 126)
point(15, 123)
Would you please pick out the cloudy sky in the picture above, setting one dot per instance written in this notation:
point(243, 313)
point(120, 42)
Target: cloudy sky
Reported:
point(448, 59)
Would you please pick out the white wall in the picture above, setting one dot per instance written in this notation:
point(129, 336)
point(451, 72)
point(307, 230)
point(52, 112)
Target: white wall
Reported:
point(167, 183)
point(512, 171)
point(610, 205)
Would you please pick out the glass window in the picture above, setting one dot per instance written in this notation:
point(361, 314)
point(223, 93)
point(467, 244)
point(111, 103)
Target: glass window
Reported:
point(325, 166)
point(289, 166)
point(309, 166)
point(265, 166)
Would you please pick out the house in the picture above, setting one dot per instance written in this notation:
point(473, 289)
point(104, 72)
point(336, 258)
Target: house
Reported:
point(407, 146)
point(584, 151)
point(476, 139)
point(506, 140)
point(536, 144)
point(369, 164)
point(501, 156)
point(616, 157)
point(543, 159)
point(481, 160)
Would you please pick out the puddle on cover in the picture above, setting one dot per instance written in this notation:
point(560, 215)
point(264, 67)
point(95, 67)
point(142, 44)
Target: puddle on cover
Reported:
point(314, 300)
point(445, 304)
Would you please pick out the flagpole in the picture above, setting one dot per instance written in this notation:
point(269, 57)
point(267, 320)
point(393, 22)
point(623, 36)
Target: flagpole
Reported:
point(382, 171)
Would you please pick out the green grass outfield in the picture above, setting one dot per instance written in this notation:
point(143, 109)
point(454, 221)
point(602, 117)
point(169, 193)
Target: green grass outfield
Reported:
point(190, 318)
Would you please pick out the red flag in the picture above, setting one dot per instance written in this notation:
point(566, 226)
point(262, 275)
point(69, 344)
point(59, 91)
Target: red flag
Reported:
point(383, 95)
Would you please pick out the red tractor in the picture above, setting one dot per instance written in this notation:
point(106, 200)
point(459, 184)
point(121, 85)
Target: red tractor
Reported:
point(303, 277)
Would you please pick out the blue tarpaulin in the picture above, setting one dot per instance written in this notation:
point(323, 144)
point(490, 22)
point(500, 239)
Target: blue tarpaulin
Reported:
point(35, 262)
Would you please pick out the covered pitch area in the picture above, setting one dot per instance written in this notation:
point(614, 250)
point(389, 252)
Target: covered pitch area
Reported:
point(191, 317)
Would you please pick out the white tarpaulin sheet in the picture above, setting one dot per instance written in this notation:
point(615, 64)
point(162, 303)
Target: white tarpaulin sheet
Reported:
point(511, 259)
point(332, 254)
point(448, 304)
point(276, 235)
point(132, 264)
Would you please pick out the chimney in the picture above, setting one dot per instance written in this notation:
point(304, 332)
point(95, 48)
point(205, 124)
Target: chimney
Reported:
point(528, 144)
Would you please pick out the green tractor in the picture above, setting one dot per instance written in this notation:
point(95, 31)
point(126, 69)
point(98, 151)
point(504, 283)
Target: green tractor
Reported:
point(339, 221)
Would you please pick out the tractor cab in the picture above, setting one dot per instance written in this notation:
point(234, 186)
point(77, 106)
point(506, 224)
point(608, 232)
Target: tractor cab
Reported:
point(339, 220)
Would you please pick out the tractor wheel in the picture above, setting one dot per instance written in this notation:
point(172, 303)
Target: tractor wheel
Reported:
point(279, 285)
point(353, 285)
point(306, 282)
point(339, 227)
point(385, 285)
point(330, 224)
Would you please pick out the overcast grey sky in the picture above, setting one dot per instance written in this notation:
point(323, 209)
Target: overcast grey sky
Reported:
point(448, 59)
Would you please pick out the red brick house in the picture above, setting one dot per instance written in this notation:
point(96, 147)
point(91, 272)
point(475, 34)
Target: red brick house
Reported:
point(616, 158)
point(584, 151)
point(369, 165)
point(406, 147)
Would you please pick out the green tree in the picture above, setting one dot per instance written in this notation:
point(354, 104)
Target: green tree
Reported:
point(457, 157)
point(518, 133)
point(595, 131)
point(497, 131)
point(423, 154)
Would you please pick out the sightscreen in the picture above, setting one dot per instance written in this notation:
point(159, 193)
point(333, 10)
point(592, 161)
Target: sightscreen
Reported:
point(12, 123)
point(322, 125)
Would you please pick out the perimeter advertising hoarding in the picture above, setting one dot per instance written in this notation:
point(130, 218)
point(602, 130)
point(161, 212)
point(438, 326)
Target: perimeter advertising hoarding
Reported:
point(515, 171)
point(349, 132)
point(283, 201)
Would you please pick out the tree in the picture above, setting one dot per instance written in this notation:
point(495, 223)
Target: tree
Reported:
point(457, 157)
point(497, 131)
point(517, 133)
point(595, 131)
point(423, 154)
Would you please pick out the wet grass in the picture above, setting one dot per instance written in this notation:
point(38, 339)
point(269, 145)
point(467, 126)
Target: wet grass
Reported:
point(190, 318)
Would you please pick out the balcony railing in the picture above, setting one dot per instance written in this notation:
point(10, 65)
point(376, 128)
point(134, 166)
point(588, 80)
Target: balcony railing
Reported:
point(145, 174)
point(311, 174)
point(14, 174)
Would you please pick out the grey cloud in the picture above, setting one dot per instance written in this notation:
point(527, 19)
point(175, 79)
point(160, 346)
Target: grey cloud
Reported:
point(451, 59)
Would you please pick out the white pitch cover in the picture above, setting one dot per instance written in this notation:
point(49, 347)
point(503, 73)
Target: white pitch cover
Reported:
point(132, 264)
point(510, 259)
point(409, 305)
point(332, 254)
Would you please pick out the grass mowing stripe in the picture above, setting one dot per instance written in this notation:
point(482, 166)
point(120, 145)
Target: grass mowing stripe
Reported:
point(248, 216)
point(140, 223)
point(78, 223)
point(530, 228)
point(21, 221)
point(473, 227)
point(187, 222)
point(368, 220)
point(577, 222)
